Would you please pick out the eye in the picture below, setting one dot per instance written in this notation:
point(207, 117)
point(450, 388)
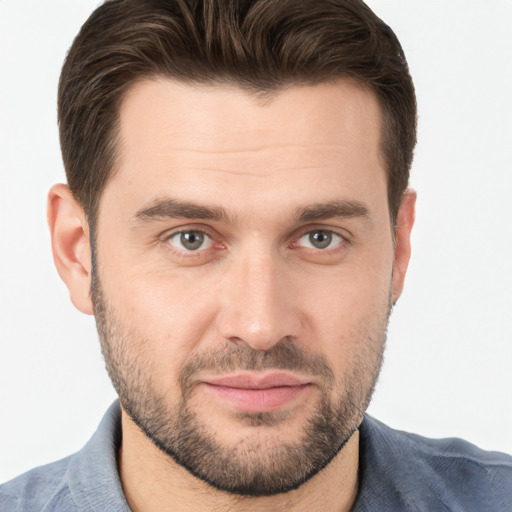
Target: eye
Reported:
point(320, 239)
point(190, 241)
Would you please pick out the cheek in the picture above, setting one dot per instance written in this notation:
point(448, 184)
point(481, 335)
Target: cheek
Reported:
point(349, 294)
point(348, 316)
point(164, 319)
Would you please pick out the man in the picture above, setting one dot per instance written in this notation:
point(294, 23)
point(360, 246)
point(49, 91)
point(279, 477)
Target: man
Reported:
point(238, 221)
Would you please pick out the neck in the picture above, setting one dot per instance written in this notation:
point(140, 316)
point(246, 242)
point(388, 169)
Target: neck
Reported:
point(152, 481)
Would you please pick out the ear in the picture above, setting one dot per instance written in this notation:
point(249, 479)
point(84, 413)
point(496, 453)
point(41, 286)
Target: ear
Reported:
point(404, 224)
point(70, 245)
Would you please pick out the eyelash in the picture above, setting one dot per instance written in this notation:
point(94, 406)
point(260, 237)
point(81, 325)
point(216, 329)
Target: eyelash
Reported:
point(183, 253)
point(189, 253)
point(332, 234)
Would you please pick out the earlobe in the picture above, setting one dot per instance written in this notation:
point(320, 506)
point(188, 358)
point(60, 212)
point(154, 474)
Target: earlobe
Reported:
point(404, 224)
point(70, 245)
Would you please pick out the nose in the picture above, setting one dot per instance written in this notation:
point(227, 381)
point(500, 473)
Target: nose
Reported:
point(259, 305)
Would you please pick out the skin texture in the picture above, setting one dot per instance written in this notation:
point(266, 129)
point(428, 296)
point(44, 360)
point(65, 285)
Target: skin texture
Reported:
point(305, 161)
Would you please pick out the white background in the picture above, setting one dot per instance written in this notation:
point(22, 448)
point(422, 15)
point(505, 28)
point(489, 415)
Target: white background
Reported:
point(448, 370)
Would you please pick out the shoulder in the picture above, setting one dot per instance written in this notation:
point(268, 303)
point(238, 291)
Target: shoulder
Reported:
point(87, 480)
point(452, 447)
point(430, 474)
point(42, 488)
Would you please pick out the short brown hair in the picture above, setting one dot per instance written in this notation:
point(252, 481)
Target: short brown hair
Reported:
point(260, 45)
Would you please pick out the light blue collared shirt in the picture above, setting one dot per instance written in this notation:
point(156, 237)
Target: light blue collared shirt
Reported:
point(398, 472)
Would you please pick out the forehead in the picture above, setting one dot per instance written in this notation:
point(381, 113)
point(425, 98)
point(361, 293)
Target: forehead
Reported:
point(228, 118)
point(297, 146)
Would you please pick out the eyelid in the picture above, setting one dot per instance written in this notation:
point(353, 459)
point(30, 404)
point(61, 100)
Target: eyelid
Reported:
point(344, 233)
point(186, 228)
point(322, 255)
point(164, 237)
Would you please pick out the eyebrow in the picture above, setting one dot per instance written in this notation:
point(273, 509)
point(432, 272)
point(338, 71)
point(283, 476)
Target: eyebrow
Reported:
point(333, 209)
point(162, 209)
point(171, 208)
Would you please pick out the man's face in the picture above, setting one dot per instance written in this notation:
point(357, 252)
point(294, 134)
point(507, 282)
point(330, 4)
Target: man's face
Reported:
point(245, 275)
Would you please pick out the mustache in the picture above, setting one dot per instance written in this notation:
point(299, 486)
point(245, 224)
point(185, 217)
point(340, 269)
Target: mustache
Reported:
point(284, 355)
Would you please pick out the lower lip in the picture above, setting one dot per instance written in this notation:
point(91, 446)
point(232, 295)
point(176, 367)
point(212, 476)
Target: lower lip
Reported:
point(258, 400)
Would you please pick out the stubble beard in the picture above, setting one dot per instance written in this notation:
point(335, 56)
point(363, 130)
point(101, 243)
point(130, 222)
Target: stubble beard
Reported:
point(253, 466)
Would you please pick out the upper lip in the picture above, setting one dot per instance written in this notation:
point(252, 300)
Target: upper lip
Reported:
point(252, 380)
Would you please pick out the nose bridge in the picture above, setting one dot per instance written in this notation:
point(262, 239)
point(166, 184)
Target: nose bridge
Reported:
point(257, 306)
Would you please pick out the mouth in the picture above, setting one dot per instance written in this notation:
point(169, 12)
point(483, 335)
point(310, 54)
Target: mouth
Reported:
point(258, 392)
